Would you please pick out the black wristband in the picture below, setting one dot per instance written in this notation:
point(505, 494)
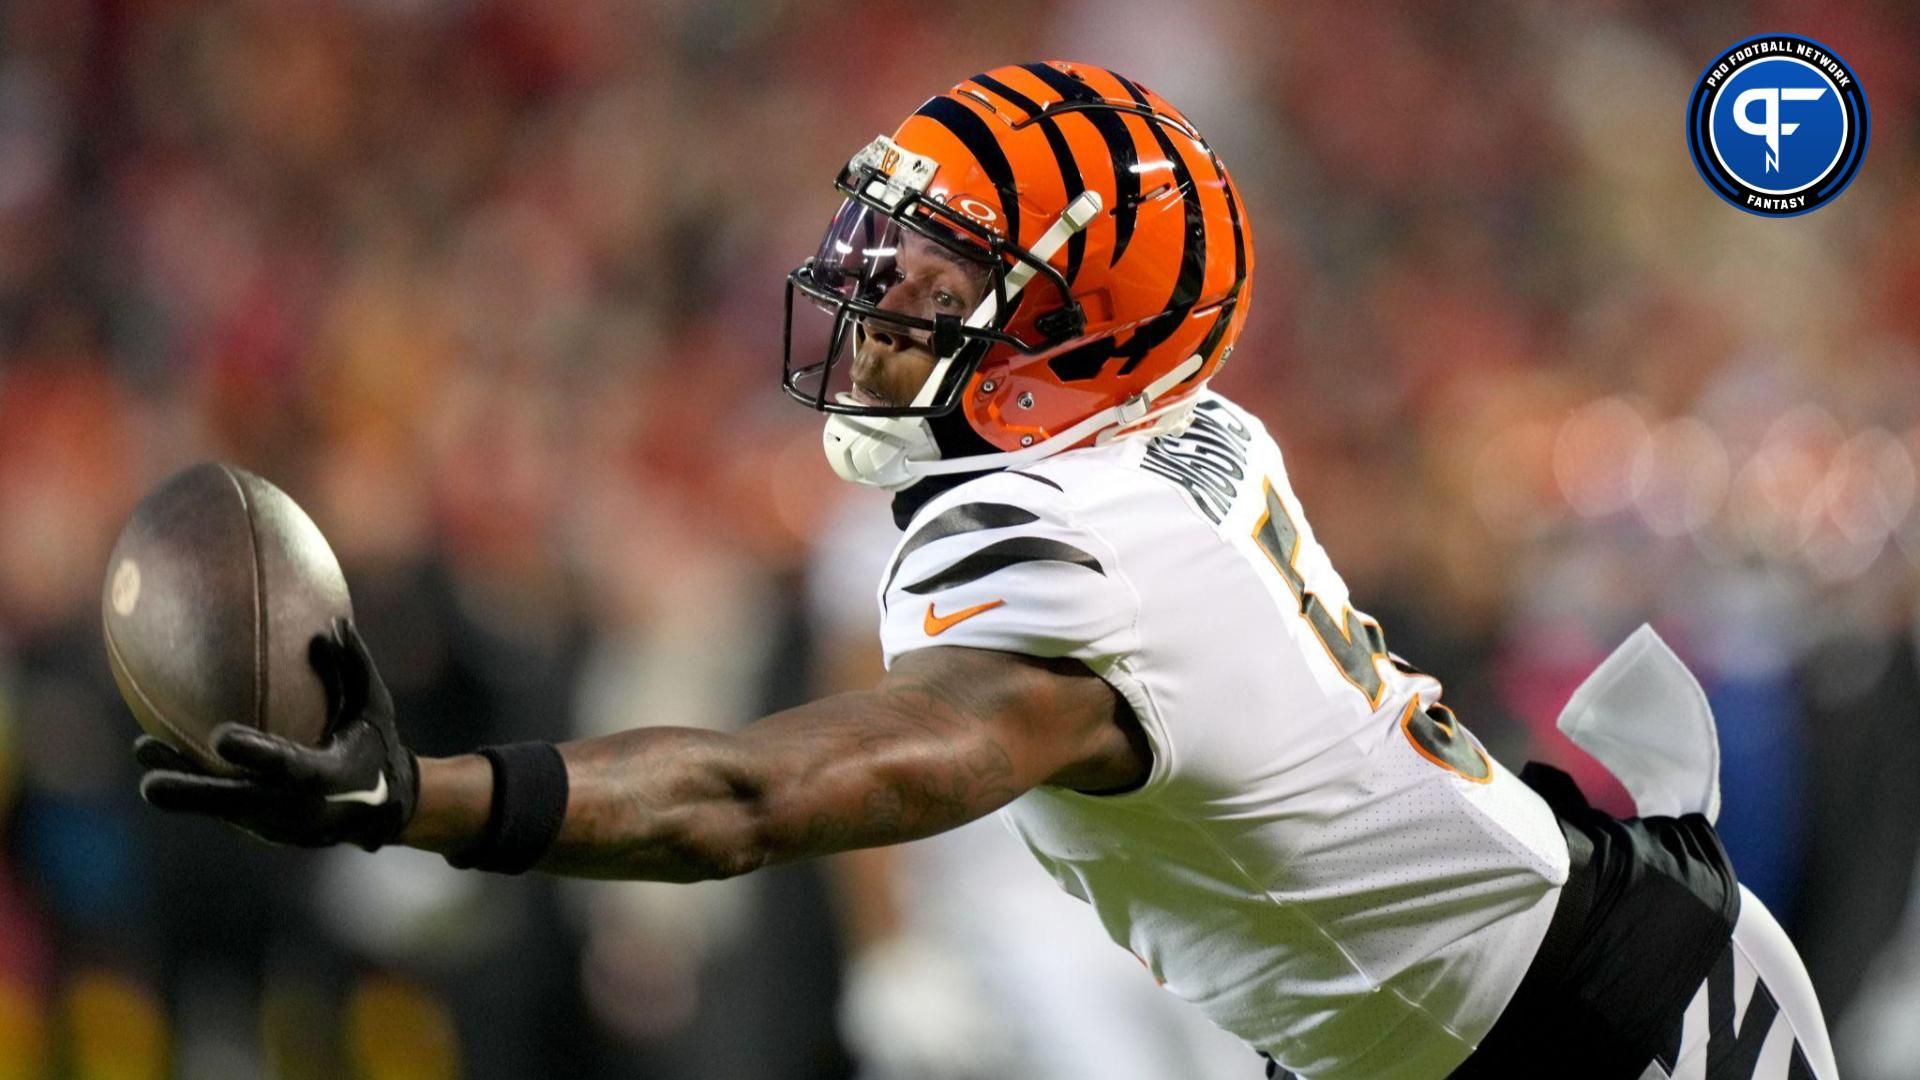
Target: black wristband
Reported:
point(529, 803)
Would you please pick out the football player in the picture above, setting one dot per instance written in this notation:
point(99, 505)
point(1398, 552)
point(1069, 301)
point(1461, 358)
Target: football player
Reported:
point(1108, 618)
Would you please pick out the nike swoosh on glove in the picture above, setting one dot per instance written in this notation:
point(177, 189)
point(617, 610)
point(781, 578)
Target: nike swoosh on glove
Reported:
point(358, 786)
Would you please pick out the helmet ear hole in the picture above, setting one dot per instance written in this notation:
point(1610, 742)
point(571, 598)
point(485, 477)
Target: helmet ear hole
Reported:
point(1096, 306)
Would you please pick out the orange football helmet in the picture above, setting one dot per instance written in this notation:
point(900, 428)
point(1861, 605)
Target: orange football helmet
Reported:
point(1110, 251)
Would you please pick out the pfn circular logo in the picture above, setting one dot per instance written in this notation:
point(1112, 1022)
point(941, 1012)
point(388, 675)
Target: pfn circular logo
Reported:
point(1777, 125)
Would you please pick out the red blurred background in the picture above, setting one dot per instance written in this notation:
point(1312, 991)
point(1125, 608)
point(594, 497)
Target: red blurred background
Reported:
point(493, 288)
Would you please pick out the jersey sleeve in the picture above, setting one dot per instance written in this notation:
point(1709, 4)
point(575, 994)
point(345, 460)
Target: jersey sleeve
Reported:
point(1000, 563)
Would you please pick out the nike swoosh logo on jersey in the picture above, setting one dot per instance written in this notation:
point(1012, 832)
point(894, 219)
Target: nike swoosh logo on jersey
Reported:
point(940, 624)
point(373, 796)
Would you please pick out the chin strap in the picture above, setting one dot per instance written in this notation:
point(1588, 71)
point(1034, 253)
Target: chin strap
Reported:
point(1135, 410)
point(896, 453)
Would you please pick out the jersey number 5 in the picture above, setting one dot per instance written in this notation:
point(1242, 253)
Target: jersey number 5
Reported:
point(1357, 645)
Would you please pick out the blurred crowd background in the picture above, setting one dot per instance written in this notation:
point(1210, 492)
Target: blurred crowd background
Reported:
point(493, 289)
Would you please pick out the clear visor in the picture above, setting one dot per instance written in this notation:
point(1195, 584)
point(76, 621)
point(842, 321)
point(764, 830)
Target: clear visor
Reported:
point(882, 304)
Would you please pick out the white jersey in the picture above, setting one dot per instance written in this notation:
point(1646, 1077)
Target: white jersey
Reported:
point(1320, 859)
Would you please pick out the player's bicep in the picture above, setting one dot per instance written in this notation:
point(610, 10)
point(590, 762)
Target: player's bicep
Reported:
point(1053, 718)
point(949, 735)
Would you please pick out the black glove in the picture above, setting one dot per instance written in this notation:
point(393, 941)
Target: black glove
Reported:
point(359, 786)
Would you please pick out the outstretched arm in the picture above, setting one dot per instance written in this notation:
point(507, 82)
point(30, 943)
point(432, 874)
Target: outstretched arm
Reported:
point(949, 735)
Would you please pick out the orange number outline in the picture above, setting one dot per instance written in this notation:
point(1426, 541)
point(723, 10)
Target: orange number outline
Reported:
point(1267, 537)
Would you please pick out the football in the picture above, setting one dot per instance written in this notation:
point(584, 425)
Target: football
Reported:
point(214, 590)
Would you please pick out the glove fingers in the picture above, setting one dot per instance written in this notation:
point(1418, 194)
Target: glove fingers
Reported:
point(267, 756)
point(323, 655)
point(201, 794)
point(356, 667)
point(152, 753)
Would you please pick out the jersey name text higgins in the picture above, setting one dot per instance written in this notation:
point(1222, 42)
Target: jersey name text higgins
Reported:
point(1209, 459)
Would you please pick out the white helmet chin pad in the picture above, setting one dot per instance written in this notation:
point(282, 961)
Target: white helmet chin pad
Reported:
point(875, 450)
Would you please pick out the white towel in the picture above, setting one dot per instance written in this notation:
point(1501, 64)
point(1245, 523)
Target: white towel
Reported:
point(1642, 714)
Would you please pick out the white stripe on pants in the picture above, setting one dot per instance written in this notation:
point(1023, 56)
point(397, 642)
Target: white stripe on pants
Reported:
point(1771, 1029)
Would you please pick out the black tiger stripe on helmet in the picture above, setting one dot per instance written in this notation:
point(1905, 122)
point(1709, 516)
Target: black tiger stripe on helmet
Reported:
point(1116, 294)
point(966, 125)
point(1120, 148)
point(1070, 178)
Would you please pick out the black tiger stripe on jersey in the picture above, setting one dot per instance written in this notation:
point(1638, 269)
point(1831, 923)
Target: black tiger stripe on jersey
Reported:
point(1036, 479)
point(965, 518)
point(1063, 156)
point(997, 556)
point(1113, 131)
point(973, 133)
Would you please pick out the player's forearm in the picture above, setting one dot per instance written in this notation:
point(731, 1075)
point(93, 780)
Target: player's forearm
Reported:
point(664, 804)
point(679, 804)
point(671, 804)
